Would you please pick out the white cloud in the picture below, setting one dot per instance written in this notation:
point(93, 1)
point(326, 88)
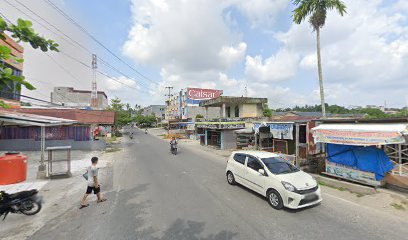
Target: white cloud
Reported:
point(279, 67)
point(119, 83)
point(232, 54)
point(366, 49)
point(261, 13)
point(182, 35)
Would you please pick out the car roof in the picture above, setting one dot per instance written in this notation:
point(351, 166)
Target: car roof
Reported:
point(258, 154)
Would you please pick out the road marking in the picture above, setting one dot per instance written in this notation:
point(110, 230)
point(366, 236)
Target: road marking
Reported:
point(344, 200)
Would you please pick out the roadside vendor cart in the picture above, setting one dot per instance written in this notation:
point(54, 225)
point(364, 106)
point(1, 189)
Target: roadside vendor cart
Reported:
point(356, 151)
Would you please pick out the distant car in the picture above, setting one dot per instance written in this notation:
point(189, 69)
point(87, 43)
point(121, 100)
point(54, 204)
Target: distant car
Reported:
point(283, 184)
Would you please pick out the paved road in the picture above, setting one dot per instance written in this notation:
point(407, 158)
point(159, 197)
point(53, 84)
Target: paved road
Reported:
point(155, 195)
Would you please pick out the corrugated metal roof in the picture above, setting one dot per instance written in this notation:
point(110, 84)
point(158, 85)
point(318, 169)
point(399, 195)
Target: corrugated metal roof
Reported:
point(16, 118)
point(79, 115)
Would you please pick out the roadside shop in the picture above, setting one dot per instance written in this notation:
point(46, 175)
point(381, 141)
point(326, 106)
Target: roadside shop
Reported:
point(219, 133)
point(371, 152)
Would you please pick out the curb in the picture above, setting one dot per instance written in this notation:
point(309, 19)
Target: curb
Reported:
point(355, 188)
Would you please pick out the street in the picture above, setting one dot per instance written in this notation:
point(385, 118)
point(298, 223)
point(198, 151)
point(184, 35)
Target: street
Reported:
point(155, 195)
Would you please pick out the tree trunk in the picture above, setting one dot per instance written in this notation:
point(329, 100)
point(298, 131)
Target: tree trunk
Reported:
point(319, 68)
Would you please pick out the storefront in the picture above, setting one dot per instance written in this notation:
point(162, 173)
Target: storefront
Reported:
point(360, 152)
point(289, 138)
point(219, 134)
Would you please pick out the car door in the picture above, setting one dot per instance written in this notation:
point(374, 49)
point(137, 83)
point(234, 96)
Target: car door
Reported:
point(253, 177)
point(239, 167)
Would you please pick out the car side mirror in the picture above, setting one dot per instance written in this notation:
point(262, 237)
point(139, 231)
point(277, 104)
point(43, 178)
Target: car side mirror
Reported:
point(262, 171)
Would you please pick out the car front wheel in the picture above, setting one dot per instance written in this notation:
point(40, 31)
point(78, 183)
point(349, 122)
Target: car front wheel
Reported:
point(274, 199)
point(230, 178)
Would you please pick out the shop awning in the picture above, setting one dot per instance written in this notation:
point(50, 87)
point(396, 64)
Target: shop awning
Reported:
point(361, 134)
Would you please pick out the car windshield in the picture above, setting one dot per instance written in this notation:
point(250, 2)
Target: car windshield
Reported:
point(278, 165)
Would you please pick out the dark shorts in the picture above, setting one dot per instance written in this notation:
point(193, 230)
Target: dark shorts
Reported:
point(96, 190)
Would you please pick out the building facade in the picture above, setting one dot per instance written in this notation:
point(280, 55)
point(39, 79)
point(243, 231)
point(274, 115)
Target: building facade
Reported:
point(233, 113)
point(157, 110)
point(71, 97)
point(11, 93)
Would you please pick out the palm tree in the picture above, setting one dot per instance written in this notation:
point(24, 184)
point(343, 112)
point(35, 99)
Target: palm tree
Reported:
point(316, 10)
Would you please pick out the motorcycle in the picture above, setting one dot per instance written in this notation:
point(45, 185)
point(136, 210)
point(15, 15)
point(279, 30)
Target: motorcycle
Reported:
point(173, 149)
point(146, 131)
point(25, 202)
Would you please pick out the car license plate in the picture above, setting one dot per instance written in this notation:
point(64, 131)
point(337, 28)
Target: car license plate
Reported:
point(311, 197)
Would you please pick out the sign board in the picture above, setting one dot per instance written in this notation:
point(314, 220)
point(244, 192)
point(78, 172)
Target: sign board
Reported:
point(357, 138)
point(350, 173)
point(221, 125)
point(197, 95)
point(278, 130)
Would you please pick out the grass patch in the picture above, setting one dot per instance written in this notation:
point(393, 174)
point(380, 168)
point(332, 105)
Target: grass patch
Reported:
point(334, 187)
point(110, 150)
point(342, 189)
point(397, 206)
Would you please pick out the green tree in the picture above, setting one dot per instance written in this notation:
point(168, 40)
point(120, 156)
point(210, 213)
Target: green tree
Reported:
point(145, 120)
point(316, 10)
point(199, 116)
point(21, 32)
point(267, 112)
point(373, 113)
point(123, 116)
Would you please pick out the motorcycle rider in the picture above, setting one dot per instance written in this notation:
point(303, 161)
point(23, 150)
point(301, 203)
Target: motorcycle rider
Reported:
point(131, 135)
point(146, 131)
point(173, 143)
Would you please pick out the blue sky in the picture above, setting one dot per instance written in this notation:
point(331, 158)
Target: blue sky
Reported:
point(229, 44)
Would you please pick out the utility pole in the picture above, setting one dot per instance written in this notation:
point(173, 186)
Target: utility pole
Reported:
point(168, 101)
point(94, 93)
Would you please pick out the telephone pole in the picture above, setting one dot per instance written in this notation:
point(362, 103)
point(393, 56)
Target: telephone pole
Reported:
point(168, 106)
point(94, 93)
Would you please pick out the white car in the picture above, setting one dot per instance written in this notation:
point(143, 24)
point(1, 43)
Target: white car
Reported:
point(282, 183)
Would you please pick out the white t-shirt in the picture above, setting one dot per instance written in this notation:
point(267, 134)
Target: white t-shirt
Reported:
point(92, 172)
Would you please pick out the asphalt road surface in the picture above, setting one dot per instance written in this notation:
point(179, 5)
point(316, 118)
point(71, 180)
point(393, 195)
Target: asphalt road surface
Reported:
point(155, 195)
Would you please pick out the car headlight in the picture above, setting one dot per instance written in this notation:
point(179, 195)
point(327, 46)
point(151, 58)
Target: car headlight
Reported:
point(289, 186)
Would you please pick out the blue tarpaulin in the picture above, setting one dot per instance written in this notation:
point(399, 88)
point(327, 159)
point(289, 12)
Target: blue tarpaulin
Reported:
point(369, 159)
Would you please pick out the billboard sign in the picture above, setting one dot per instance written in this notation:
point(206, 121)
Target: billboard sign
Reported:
point(197, 95)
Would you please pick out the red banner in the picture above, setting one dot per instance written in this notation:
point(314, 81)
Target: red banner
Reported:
point(203, 94)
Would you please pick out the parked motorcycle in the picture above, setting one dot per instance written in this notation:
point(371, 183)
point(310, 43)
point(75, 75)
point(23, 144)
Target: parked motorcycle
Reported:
point(25, 202)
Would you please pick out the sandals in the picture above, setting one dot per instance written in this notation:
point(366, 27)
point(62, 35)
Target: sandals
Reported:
point(102, 200)
point(83, 206)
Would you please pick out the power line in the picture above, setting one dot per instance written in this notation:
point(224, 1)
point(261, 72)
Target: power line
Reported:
point(121, 73)
point(5, 18)
point(63, 68)
point(102, 73)
point(70, 19)
point(64, 36)
point(33, 98)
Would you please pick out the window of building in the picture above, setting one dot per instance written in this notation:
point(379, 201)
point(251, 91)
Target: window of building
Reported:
point(228, 109)
point(236, 111)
